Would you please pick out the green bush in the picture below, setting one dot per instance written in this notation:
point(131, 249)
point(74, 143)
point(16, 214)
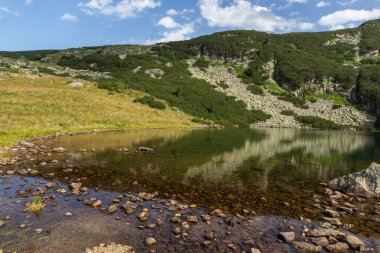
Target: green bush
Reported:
point(151, 101)
point(319, 123)
point(201, 63)
point(288, 113)
point(296, 101)
point(335, 107)
point(255, 89)
point(222, 84)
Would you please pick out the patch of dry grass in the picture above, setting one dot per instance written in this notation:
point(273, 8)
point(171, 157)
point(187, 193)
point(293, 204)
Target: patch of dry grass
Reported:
point(47, 105)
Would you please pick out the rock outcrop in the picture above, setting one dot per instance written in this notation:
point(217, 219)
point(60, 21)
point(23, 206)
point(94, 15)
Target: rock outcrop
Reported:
point(365, 183)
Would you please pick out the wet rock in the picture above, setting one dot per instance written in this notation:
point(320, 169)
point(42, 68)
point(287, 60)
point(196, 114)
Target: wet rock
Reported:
point(320, 241)
point(49, 185)
point(326, 232)
point(75, 186)
point(129, 207)
point(150, 241)
point(337, 247)
point(365, 183)
point(26, 144)
point(192, 219)
point(354, 242)
point(176, 220)
point(331, 213)
point(112, 209)
point(59, 150)
point(287, 236)
point(333, 221)
point(143, 216)
point(145, 196)
point(145, 150)
point(97, 203)
point(308, 247)
point(254, 250)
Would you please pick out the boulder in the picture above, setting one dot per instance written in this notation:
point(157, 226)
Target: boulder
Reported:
point(287, 236)
point(365, 183)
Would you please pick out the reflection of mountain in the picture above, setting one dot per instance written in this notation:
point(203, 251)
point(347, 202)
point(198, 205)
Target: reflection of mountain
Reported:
point(317, 146)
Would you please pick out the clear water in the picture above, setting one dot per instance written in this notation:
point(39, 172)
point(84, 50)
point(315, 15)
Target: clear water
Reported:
point(231, 169)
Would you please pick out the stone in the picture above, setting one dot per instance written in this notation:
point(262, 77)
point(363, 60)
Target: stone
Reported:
point(176, 220)
point(59, 150)
point(331, 213)
point(75, 186)
point(325, 232)
point(2, 223)
point(320, 241)
point(114, 248)
point(69, 214)
point(129, 207)
point(145, 150)
point(112, 209)
point(354, 242)
point(287, 236)
point(192, 219)
point(26, 144)
point(333, 221)
point(308, 247)
point(97, 203)
point(338, 247)
point(39, 230)
point(143, 216)
point(150, 241)
point(49, 185)
point(365, 183)
point(254, 250)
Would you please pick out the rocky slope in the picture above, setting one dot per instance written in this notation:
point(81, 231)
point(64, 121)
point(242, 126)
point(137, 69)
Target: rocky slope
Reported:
point(346, 115)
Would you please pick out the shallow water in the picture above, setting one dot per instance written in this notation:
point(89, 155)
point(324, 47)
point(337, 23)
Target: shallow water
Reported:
point(231, 169)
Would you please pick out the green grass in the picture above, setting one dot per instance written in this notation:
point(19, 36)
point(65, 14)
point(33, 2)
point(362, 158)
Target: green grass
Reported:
point(332, 97)
point(35, 206)
point(274, 89)
point(47, 105)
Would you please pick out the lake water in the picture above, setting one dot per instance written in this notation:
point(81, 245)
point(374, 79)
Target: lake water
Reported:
point(230, 169)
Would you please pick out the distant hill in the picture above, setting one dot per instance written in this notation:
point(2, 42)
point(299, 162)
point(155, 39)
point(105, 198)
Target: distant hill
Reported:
point(306, 66)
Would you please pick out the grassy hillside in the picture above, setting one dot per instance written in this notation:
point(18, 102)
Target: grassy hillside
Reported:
point(49, 105)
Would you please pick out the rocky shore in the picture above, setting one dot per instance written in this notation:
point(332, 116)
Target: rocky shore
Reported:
point(109, 221)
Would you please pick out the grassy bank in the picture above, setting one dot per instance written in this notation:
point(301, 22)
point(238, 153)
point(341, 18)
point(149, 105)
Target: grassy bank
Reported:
point(47, 105)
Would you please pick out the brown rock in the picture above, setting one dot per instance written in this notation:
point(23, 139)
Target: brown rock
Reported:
point(97, 203)
point(326, 232)
point(337, 247)
point(112, 209)
point(320, 241)
point(287, 236)
point(308, 247)
point(354, 242)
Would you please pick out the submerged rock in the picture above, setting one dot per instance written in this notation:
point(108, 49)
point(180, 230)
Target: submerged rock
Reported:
point(365, 183)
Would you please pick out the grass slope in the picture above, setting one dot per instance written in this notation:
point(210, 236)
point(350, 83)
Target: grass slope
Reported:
point(49, 105)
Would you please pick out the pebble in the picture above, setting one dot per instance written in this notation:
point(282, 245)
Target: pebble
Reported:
point(150, 241)
point(69, 214)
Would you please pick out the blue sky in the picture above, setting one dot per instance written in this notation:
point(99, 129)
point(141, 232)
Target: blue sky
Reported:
point(58, 24)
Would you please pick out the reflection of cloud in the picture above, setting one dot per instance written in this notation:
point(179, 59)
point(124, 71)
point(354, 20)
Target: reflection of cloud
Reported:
point(318, 144)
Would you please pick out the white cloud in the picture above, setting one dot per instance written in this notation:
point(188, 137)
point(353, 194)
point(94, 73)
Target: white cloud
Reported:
point(297, 1)
point(7, 10)
point(122, 9)
point(168, 22)
point(242, 14)
point(69, 17)
point(28, 2)
point(173, 12)
point(346, 17)
point(323, 4)
point(348, 2)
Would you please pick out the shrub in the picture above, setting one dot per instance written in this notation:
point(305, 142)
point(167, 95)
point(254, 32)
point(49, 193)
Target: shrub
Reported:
point(255, 89)
point(222, 84)
point(288, 113)
point(296, 101)
point(334, 107)
point(317, 122)
point(151, 101)
point(201, 63)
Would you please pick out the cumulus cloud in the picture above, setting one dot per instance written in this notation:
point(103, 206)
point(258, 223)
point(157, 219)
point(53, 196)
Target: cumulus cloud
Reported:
point(69, 17)
point(121, 9)
point(242, 14)
point(173, 12)
point(168, 22)
point(345, 18)
point(323, 4)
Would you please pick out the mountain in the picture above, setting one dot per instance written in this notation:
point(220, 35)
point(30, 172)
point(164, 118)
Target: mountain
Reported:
point(322, 79)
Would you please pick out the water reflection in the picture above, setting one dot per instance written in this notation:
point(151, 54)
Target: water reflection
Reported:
point(229, 168)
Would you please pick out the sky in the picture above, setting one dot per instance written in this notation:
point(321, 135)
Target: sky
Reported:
point(60, 24)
